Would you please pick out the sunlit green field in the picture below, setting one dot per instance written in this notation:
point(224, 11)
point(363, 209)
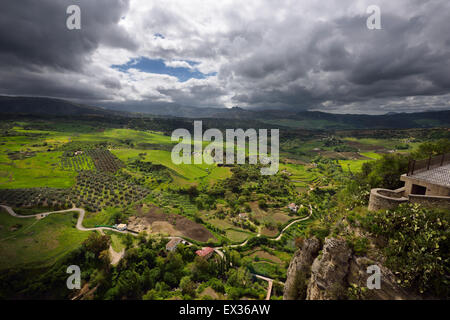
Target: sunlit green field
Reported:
point(356, 165)
point(301, 176)
point(43, 167)
point(119, 135)
point(188, 172)
point(32, 242)
point(236, 235)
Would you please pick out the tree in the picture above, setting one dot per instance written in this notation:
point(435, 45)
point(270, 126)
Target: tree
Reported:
point(142, 237)
point(239, 278)
point(385, 172)
point(105, 258)
point(262, 204)
point(187, 286)
point(128, 241)
point(128, 284)
point(151, 295)
point(416, 245)
point(200, 269)
point(428, 149)
point(170, 279)
point(235, 258)
point(96, 243)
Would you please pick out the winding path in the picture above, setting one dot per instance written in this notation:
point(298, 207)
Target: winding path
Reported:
point(278, 238)
point(269, 280)
point(80, 227)
point(82, 212)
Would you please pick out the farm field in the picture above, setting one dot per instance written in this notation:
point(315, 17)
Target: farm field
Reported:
point(27, 172)
point(299, 174)
point(126, 176)
point(187, 172)
point(356, 165)
point(236, 235)
point(35, 171)
point(32, 242)
point(237, 151)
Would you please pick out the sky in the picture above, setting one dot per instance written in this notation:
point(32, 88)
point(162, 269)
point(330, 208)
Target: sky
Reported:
point(302, 54)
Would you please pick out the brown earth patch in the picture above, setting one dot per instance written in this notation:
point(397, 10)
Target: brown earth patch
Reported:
point(29, 240)
point(258, 212)
point(210, 292)
point(164, 227)
point(331, 154)
point(162, 222)
point(269, 232)
point(343, 155)
point(354, 156)
point(267, 256)
point(280, 216)
point(294, 161)
point(365, 147)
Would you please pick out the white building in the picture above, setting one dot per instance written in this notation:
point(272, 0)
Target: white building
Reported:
point(121, 227)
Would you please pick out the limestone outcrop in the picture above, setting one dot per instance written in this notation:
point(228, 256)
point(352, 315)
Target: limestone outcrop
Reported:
point(332, 271)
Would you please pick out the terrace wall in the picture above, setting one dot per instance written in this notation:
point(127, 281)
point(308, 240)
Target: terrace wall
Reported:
point(386, 199)
point(430, 201)
point(382, 199)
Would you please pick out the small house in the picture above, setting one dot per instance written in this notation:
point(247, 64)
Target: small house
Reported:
point(173, 243)
point(205, 252)
point(121, 227)
point(243, 216)
point(293, 207)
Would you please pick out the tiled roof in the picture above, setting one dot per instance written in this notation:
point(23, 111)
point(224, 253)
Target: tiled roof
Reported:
point(204, 251)
point(173, 242)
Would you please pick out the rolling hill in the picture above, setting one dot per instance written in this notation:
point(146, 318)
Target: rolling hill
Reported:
point(310, 120)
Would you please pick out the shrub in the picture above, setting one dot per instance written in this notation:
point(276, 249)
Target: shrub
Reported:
point(416, 245)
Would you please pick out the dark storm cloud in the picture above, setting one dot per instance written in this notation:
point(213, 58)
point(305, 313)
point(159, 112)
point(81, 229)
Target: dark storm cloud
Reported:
point(49, 85)
point(197, 95)
point(302, 54)
point(36, 47)
point(344, 62)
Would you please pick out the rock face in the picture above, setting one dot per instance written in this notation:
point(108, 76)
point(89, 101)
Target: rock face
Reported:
point(389, 290)
point(329, 271)
point(332, 271)
point(300, 267)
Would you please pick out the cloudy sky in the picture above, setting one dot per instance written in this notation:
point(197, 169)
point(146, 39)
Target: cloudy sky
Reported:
point(307, 54)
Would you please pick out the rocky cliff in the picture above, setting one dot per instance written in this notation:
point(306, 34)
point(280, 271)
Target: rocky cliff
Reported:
point(333, 271)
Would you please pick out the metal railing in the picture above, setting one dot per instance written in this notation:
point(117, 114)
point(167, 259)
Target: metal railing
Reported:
point(416, 166)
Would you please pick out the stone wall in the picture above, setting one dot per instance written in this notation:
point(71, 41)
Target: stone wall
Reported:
point(385, 199)
point(430, 201)
point(382, 199)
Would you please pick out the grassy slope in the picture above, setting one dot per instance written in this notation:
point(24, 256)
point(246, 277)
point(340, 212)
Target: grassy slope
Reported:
point(41, 170)
point(37, 242)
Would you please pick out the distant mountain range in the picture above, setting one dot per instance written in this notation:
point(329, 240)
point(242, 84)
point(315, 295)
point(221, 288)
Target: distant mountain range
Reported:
point(50, 106)
point(283, 118)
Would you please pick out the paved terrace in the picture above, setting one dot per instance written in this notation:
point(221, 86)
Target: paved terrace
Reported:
point(439, 176)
